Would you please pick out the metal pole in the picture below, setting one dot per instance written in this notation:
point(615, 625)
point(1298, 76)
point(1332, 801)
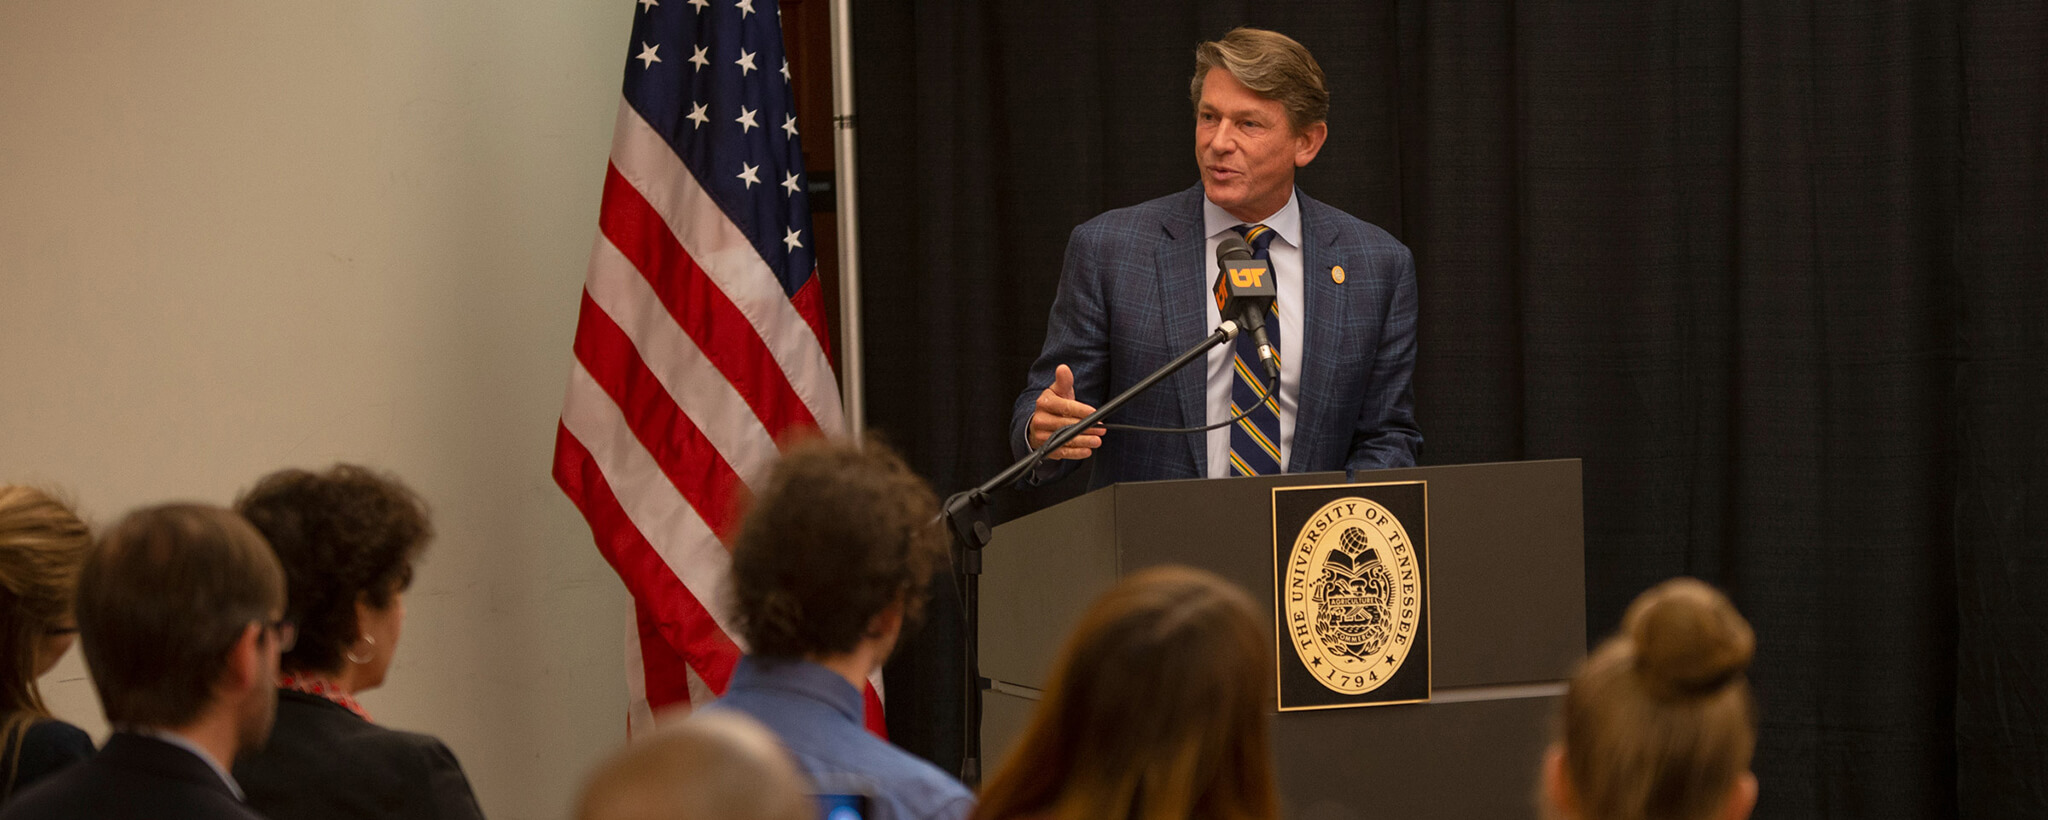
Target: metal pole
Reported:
point(852, 375)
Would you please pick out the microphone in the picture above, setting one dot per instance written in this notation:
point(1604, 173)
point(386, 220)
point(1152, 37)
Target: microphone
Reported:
point(1244, 292)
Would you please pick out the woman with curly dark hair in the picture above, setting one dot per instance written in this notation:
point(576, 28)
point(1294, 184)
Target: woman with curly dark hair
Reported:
point(348, 538)
point(42, 546)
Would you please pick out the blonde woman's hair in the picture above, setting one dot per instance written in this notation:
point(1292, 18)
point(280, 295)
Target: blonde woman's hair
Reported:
point(1270, 64)
point(1659, 722)
point(1157, 709)
point(42, 545)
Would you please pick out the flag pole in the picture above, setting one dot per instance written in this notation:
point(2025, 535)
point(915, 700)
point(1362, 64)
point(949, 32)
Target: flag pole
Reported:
point(852, 382)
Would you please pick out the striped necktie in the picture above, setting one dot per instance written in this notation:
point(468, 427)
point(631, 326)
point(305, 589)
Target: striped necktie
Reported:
point(1254, 439)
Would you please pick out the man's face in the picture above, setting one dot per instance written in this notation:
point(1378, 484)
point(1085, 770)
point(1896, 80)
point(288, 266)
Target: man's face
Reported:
point(1247, 149)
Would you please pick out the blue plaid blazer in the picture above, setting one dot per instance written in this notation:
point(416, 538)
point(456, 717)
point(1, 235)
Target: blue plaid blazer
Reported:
point(1130, 299)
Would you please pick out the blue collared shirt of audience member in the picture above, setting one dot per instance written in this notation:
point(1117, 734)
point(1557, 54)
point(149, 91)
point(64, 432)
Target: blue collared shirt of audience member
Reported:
point(817, 714)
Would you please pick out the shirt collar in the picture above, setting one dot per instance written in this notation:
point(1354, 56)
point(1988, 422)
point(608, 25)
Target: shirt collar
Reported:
point(1286, 223)
point(799, 677)
point(186, 743)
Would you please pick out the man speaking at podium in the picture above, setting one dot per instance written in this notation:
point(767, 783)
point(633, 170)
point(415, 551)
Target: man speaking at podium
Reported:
point(1135, 292)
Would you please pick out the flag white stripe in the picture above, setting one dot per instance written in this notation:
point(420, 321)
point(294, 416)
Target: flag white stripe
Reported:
point(647, 161)
point(700, 692)
point(699, 390)
point(639, 715)
point(668, 522)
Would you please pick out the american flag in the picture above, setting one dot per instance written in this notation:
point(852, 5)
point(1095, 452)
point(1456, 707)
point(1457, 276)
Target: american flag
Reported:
point(701, 346)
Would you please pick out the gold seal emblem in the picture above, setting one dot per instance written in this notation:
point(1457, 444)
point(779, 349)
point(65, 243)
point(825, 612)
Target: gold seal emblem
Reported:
point(1353, 595)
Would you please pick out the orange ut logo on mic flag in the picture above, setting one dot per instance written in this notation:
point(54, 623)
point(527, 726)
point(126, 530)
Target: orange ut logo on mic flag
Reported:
point(1240, 277)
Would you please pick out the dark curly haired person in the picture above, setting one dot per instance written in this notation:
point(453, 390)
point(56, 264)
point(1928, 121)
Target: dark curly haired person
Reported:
point(348, 538)
point(830, 565)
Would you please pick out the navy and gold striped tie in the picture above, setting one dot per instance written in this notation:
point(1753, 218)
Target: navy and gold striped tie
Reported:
point(1254, 439)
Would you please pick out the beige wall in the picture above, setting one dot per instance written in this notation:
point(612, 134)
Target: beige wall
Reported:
point(237, 235)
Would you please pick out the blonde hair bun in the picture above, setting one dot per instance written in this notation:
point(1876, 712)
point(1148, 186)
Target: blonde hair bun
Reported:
point(1689, 641)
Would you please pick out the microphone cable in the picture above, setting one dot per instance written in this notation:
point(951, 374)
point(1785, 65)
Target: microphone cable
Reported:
point(1266, 392)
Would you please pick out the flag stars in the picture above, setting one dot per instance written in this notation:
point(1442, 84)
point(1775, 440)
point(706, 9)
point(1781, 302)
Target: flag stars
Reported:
point(745, 62)
point(698, 114)
point(647, 56)
point(746, 120)
point(700, 5)
point(746, 7)
point(700, 56)
point(790, 182)
point(648, 5)
point(750, 174)
point(790, 239)
point(785, 69)
point(789, 125)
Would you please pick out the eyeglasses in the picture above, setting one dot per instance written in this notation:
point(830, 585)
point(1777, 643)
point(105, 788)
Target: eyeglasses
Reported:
point(287, 634)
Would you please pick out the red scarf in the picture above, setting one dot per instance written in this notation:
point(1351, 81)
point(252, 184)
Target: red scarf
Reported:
point(321, 688)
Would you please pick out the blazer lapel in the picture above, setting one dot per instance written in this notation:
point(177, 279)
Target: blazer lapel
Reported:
point(1322, 321)
point(1181, 290)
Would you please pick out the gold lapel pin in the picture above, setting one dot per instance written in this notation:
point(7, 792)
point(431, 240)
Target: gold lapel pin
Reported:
point(1337, 274)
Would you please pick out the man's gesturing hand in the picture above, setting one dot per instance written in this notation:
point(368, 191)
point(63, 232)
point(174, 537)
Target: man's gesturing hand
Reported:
point(1056, 409)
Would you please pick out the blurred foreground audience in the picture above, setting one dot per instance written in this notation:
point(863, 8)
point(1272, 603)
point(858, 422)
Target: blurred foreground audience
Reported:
point(1157, 709)
point(1659, 721)
point(348, 538)
point(714, 766)
point(830, 565)
point(42, 544)
point(181, 616)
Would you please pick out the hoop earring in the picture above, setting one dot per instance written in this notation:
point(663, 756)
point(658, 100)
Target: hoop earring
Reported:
point(351, 653)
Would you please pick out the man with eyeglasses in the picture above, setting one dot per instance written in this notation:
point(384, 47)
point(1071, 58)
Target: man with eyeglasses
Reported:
point(180, 614)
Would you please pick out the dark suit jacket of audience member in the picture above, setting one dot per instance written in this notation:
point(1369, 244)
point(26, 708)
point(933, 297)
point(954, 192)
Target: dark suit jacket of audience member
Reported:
point(133, 777)
point(323, 762)
point(45, 748)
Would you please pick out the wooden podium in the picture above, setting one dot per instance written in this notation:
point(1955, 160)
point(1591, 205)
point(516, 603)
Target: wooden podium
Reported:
point(1506, 624)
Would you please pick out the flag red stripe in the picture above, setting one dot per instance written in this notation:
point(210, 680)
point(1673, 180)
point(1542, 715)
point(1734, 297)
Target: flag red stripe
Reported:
point(667, 679)
point(809, 301)
point(692, 464)
point(681, 618)
point(725, 335)
point(871, 712)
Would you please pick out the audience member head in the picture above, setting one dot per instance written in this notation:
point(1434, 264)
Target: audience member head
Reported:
point(714, 766)
point(1659, 722)
point(1157, 709)
point(348, 538)
point(833, 558)
point(180, 612)
point(42, 544)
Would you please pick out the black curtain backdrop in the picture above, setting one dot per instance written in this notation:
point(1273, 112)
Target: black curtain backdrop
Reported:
point(1778, 272)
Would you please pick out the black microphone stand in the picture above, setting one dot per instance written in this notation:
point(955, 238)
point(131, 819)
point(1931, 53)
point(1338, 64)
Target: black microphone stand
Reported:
point(967, 513)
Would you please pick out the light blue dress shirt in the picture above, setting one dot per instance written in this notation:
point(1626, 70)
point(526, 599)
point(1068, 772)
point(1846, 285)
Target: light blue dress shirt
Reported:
point(817, 714)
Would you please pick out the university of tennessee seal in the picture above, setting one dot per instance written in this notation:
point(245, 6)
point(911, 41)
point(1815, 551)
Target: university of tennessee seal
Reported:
point(1352, 595)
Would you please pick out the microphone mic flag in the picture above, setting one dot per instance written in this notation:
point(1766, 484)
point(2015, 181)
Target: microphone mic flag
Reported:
point(1244, 286)
point(1245, 292)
